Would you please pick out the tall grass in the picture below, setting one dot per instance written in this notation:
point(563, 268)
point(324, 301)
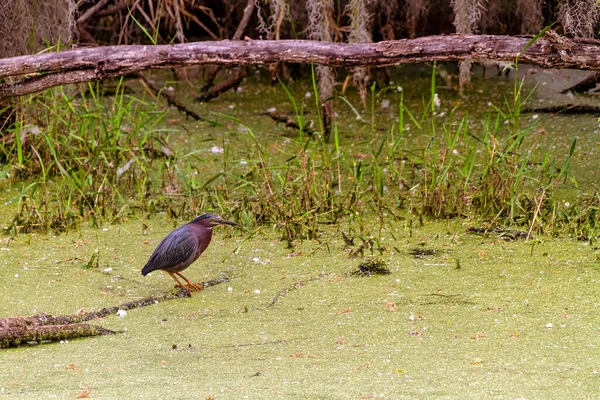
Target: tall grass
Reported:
point(81, 156)
point(98, 158)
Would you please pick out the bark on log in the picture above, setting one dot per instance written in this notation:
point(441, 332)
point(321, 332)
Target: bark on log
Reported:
point(15, 336)
point(43, 71)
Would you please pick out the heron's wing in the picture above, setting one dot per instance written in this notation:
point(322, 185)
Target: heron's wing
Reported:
point(177, 248)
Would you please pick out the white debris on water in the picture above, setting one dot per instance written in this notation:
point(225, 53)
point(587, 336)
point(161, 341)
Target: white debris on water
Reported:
point(436, 101)
point(121, 170)
point(259, 261)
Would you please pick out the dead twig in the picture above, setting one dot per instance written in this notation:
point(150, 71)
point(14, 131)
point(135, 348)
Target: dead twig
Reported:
point(248, 10)
point(233, 81)
point(279, 116)
point(91, 12)
point(169, 97)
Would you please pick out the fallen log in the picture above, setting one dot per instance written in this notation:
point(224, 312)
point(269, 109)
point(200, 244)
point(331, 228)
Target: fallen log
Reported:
point(43, 328)
point(37, 334)
point(42, 71)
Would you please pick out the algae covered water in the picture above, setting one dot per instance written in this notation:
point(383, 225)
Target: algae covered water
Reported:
point(464, 312)
point(475, 317)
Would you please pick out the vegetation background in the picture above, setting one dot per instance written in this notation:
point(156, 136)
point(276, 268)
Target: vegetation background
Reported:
point(461, 194)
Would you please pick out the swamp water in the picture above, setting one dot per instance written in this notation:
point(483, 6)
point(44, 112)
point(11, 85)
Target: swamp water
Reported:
point(460, 315)
point(477, 318)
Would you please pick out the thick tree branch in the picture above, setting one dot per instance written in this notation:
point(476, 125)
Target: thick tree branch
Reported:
point(92, 64)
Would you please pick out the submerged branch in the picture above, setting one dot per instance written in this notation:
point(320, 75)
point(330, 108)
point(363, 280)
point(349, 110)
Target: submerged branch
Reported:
point(231, 82)
point(585, 85)
point(169, 97)
point(289, 122)
point(565, 109)
point(284, 292)
point(47, 70)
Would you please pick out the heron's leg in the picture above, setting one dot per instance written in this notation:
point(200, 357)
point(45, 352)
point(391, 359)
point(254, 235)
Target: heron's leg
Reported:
point(172, 275)
point(191, 284)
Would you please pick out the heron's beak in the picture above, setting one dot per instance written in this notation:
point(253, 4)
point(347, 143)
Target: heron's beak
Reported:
point(225, 222)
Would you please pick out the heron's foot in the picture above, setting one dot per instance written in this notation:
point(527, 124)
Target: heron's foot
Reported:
point(194, 286)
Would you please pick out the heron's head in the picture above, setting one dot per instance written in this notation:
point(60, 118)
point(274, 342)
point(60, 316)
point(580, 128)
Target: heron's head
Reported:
point(210, 220)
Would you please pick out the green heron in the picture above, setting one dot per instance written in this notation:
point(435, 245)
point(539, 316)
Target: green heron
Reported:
point(182, 247)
